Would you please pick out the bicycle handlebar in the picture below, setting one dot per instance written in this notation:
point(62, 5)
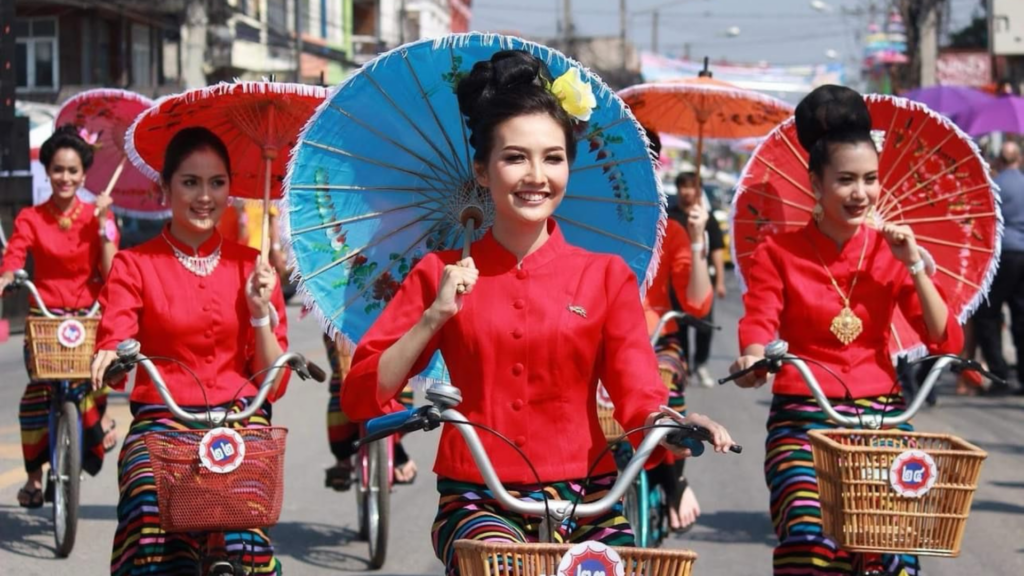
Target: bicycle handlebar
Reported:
point(21, 280)
point(776, 355)
point(445, 398)
point(129, 354)
point(682, 317)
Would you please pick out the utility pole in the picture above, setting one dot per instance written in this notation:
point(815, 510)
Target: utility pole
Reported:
point(654, 32)
point(567, 32)
point(298, 41)
point(401, 22)
point(622, 32)
point(929, 46)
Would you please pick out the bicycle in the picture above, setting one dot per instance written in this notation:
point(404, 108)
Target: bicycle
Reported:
point(61, 352)
point(888, 491)
point(216, 479)
point(375, 474)
point(480, 558)
point(646, 504)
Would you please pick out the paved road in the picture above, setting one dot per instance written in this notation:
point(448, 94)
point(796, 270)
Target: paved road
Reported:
point(316, 534)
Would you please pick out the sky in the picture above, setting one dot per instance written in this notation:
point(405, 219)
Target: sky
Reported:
point(779, 32)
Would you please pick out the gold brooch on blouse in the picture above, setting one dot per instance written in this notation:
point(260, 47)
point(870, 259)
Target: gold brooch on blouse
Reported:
point(578, 310)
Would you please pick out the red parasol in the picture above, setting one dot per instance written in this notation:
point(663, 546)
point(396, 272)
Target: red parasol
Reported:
point(106, 114)
point(259, 123)
point(933, 179)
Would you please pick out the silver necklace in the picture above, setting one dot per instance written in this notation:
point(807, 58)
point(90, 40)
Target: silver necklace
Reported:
point(201, 266)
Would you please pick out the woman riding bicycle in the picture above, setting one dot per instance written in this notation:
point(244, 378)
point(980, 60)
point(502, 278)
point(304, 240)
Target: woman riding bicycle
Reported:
point(207, 303)
point(683, 272)
point(527, 326)
point(830, 290)
point(72, 244)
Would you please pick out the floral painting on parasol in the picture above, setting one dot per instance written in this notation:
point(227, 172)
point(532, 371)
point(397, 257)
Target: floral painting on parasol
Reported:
point(933, 179)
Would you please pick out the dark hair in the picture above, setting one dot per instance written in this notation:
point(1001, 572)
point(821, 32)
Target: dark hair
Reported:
point(655, 142)
point(831, 115)
point(512, 83)
point(686, 180)
point(185, 143)
point(66, 137)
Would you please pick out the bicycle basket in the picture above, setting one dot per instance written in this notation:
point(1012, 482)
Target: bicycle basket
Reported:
point(194, 498)
point(889, 491)
point(491, 559)
point(60, 348)
point(606, 414)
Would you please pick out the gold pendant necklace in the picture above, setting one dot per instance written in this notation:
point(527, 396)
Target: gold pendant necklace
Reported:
point(65, 220)
point(846, 326)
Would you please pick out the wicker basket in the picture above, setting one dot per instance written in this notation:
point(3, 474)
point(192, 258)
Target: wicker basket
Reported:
point(51, 360)
point(194, 499)
point(606, 416)
point(861, 510)
point(490, 559)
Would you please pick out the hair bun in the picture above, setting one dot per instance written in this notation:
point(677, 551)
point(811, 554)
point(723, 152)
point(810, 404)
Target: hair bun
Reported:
point(830, 109)
point(503, 73)
point(68, 129)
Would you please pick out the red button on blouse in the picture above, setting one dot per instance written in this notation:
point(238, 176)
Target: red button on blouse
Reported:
point(553, 370)
point(790, 296)
point(151, 297)
point(67, 262)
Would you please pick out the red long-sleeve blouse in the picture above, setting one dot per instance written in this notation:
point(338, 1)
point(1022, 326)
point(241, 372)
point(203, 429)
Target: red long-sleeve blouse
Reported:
point(790, 296)
point(526, 350)
point(673, 274)
point(203, 322)
point(67, 262)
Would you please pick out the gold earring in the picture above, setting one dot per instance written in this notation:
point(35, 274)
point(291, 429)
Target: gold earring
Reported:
point(818, 212)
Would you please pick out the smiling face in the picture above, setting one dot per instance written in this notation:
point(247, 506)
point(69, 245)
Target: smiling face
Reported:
point(198, 192)
point(848, 186)
point(66, 173)
point(526, 171)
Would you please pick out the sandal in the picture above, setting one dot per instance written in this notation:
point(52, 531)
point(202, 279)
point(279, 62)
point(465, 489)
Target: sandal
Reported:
point(339, 477)
point(402, 463)
point(110, 433)
point(30, 498)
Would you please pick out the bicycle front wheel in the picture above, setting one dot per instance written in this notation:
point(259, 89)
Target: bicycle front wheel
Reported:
point(633, 508)
point(378, 500)
point(66, 477)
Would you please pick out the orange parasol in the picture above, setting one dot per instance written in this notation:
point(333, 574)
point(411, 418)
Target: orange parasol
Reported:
point(703, 107)
point(259, 123)
point(933, 179)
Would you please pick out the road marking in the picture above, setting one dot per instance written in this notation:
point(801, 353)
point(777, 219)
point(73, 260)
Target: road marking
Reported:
point(12, 477)
point(10, 452)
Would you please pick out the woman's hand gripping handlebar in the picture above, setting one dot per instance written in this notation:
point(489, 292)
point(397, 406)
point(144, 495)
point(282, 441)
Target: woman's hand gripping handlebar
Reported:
point(129, 355)
point(777, 355)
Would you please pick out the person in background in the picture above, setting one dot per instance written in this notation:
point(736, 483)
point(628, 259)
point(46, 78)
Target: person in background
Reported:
point(688, 194)
point(72, 244)
point(1008, 286)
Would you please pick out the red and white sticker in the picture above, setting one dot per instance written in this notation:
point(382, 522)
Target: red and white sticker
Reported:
point(591, 559)
point(222, 450)
point(603, 399)
point(71, 333)
point(913, 473)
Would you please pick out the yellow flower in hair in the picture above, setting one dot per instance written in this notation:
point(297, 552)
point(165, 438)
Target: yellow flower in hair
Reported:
point(576, 96)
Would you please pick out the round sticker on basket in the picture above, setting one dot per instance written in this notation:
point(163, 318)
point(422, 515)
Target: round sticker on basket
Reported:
point(913, 473)
point(603, 399)
point(222, 450)
point(591, 559)
point(71, 333)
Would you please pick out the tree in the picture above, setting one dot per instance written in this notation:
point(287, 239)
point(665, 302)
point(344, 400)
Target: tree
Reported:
point(915, 13)
point(975, 34)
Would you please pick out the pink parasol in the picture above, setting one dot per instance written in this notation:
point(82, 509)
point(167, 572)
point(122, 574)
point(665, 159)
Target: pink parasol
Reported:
point(104, 115)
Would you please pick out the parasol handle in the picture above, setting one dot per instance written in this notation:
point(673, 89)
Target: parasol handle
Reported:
point(113, 181)
point(469, 217)
point(700, 156)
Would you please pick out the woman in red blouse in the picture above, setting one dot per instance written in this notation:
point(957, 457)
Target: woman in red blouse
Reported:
point(830, 290)
point(189, 295)
point(72, 244)
point(536, 323)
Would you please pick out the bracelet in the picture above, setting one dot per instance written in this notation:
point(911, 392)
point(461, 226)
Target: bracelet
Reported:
point(917, 267)
point(260, 322)
point(697, 247)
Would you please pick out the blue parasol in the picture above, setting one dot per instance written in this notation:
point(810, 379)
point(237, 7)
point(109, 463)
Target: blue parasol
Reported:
point(383, 175)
